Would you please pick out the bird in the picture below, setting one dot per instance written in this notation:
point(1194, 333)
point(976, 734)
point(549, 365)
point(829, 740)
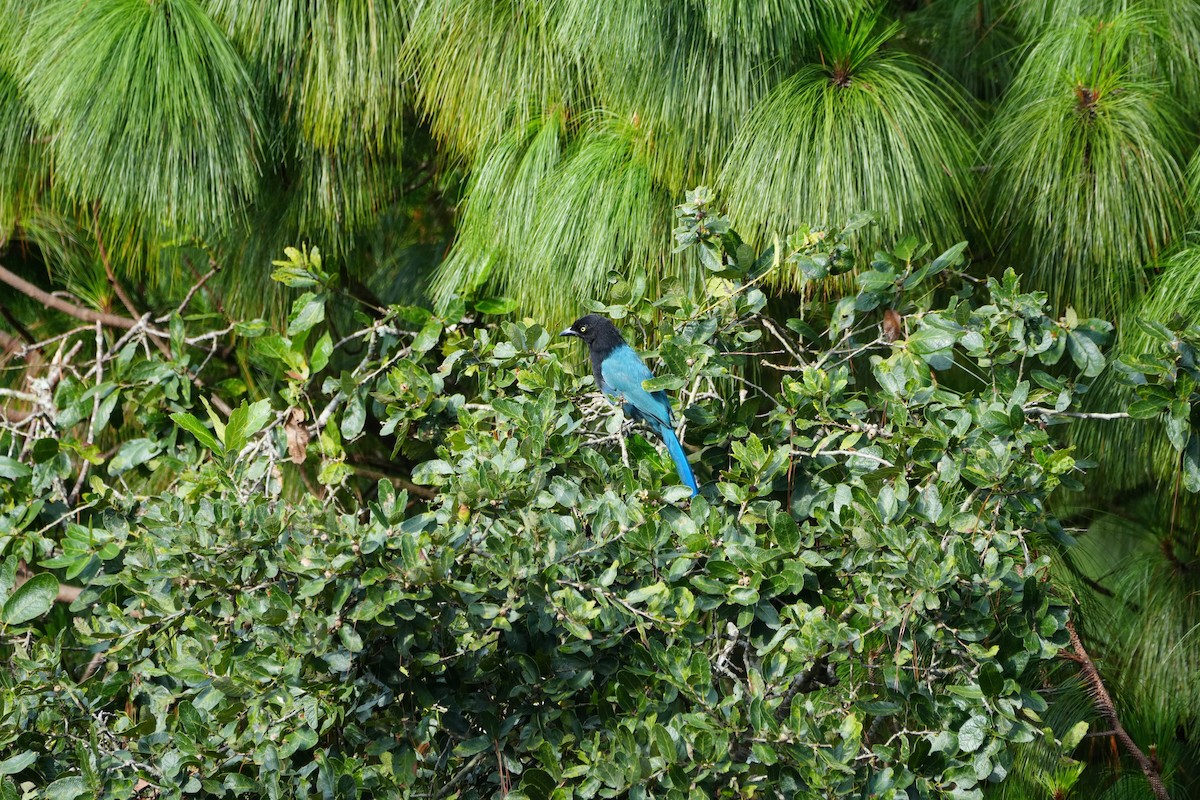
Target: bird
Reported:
point(619, 373)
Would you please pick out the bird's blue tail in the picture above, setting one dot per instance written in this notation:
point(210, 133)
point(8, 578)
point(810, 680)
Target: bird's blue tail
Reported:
point(678, 456)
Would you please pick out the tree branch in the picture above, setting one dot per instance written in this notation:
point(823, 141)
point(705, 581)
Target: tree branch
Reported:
point(1104, 705)
point(1050, 412)
point(58, 304)
point(397, 481)
point(10, 342)
point(126, 300)
point(66, 594)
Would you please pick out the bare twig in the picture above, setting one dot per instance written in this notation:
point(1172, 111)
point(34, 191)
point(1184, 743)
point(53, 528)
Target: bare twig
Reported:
point(108, 270)
point(784, 367)
point(851, 453)
point(16, 395)
point(187, 298)
point(395, 480)
point(92, 666)
point(782, 339)
point(66, 594)
point(458, 776)
point(50, 301)
point(1104, 705)
point(85, 466)
point(1050, 412)
point(34, 347)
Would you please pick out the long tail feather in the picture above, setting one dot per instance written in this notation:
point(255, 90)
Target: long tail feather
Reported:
point(675, 449)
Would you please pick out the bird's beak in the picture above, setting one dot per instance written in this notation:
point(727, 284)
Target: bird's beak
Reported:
point(569, 332)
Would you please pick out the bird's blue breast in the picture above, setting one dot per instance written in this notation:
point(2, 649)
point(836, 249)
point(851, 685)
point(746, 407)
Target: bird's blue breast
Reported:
point(621, 373)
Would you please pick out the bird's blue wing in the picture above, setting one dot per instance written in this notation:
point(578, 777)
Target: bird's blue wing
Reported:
point(623, 373)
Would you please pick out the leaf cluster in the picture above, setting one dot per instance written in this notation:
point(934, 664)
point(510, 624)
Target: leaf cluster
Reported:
point(856, 602)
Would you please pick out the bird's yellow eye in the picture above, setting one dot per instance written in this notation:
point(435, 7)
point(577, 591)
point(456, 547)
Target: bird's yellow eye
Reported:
point(583, 328)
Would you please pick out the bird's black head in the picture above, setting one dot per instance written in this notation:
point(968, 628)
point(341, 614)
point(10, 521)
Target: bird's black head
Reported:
point(598, 332)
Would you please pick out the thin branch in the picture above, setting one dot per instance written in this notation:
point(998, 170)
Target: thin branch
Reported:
point(458, 776)
point(395, 480)
point(17, 326)
point(33, 347)
point(92, 666)
point(18, 395)
point(112, 278)
point(784, 367)
point(66, 594)
point(50, 301)
point(187, 298)
point(851, 453)
point(1050, 412)
point(1104, 705)
point(782, 340)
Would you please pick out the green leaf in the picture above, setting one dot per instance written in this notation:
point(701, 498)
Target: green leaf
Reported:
point(537, 784)
point(663, 382)
point(197, 428)
point(354, 417)
point(645, 593)
point(472, 746)
point(1177, 425)
point(12, 469)
point(972, 734)
point(14, 764)
point(68, 788)
point(1191, 464)
point(934, 345)
point(43, 450)
point(710, 258)
point(307, 311)
point(1146, 408)
point(251, 329)
point(31, 599)
point(496, 305)
point(950, 258)
point(213, 417)
point(428, 336)
point(1085, 353)
point(320, 354)
point(991, 679)
point(132, 454)
point(244, 422)
point(1073, 737)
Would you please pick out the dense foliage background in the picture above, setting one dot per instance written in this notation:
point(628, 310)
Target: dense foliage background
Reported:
point(476, 173)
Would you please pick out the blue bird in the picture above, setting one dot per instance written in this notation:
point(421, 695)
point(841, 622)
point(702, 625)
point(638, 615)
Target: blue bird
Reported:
point(619, 373)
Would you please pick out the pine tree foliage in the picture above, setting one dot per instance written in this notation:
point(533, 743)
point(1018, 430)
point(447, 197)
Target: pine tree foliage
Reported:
point(117, 81)
point(861, 127)
point(335, 64)
point(1165, 44)
point(977, 44)
point(1131, 572)
point(602, 211)
point(511, 177)
point(21, 156)
point(1088, 158)
point(696, 65)
point(483, 67)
